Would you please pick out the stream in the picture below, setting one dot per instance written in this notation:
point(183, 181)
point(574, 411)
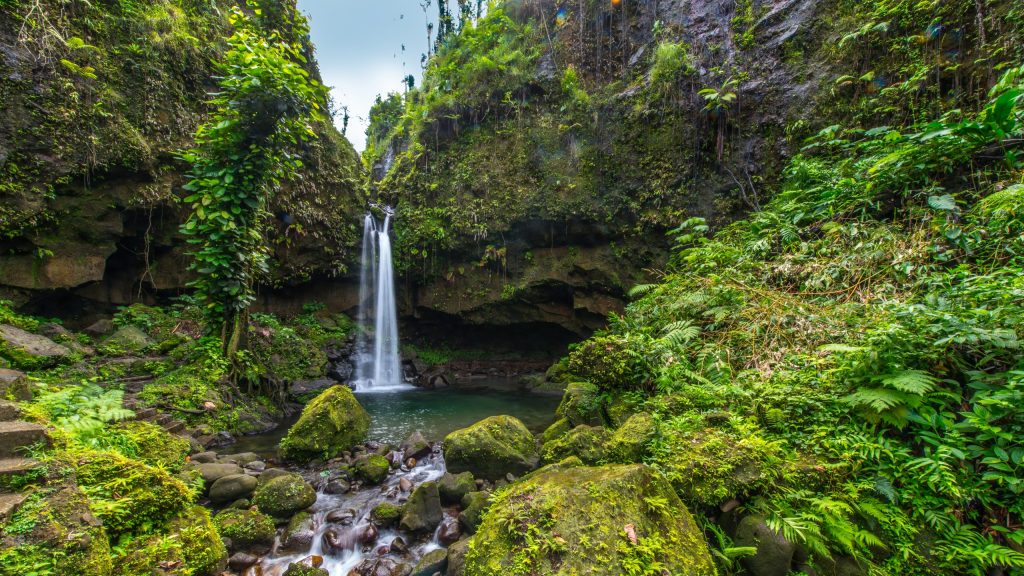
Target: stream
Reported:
point(342, 531)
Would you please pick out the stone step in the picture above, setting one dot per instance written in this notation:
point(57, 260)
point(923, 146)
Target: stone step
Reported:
point(9, 411)
point(9, 503)
point(16, 435)
point(163, 419)
point(11, 467)
point(145, 413)
point(175, 426)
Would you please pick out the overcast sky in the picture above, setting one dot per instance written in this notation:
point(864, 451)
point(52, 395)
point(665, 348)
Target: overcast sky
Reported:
point(359, 48)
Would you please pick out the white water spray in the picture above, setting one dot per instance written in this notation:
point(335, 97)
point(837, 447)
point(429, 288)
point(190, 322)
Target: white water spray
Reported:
point(387, 364)
point(377, 359)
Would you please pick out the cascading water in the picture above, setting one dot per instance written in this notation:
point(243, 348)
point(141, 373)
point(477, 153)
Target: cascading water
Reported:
point(378, 362)
point(387, 364)
point(367, 277)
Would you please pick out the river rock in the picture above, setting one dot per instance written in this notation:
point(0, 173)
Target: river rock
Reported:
point(431, 563)
point(449, 532)
point(404, 484)
point(415, 446)
point(31, 350)
point(452, 487)
point(398, 546)
point(298, 535)
point(592, 508)
point(271, 473)
point(336, 487)
point(213, 471)
point(337, 541)
point(331, 423)
point(299, 569)
point(367, 534)
point(474, 504)
point(243, 459)
point(204, 457)
point(423, 510)
point(232, 487)
point(248, 530)
point(240, 561)
point(341, 516)
point(386, 514)
point(381, 566)
point(491, 448)
point(284, 495)
point(457, 558)
point(371, 469)
point(774, 553)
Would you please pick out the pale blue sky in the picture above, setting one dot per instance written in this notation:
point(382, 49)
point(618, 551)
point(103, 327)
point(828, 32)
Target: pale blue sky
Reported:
point(359, 48)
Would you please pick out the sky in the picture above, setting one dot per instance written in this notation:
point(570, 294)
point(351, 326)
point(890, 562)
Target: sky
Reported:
point(359, 49)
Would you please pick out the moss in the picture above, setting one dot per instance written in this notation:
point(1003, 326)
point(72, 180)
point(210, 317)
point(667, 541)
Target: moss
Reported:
point(245, 528)
point(54, 531)
point(608, 362)
point(491, 448)
point(156, 446)
point(582, 404)
point(556, 430)
point(299, 569)
point(386, 514)
point(630, 442)
point(333, 422)
point(284, 495)
point(576, 516)
point(202, 550)
point(372, 469)
point(287, 353)
point(585, 442)
point(127, 495)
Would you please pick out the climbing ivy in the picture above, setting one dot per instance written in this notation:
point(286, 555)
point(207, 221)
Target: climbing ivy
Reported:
point(263, 112)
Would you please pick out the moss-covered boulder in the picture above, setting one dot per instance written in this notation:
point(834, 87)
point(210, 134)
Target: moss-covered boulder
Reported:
point(331, 423)
point(433, 562)
point(128, 339)
point(591, 521)
point(474, 504)
point(491, 448)
point(581, 405)
point(452, 487)
point(560, 427)
point(607, 361)
point(284, 495)
point(57, 534)
point(586, 442)
point(127, 495)
point(245, 529)
point(190, 544)
point(422, 512)
point(386, 514)
point(629, 443)
point(372, 469)
point(28, 351)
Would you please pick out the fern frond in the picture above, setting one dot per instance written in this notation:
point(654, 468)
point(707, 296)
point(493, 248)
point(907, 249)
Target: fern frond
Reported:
point(910, 381)
point(641, 290)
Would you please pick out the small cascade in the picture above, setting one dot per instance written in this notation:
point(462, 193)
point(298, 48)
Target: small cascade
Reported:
point(343, 532)
point(377, 359)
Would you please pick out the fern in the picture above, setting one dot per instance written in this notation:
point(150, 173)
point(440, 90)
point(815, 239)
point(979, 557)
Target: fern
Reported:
point(641, 290)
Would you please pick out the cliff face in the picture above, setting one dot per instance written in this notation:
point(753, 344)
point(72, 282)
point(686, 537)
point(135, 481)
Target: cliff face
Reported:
point(553, 144)
point(96, 100)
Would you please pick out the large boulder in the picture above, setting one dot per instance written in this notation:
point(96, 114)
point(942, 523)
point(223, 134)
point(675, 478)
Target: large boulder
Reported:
point(27, 350)
point(586, 442)
point(415, 446)
point(213, 471)
point(491, 448)
point(129, 339)
point(774, 555)
point(474, 505)
point(422, 512)
point(331, 423)
point(595, 519)
point(284, 496)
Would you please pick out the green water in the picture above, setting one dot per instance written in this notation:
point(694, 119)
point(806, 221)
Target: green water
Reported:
point(395, 415)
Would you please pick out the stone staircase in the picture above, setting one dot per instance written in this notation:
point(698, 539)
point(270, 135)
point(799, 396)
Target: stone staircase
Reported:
point(15, 437)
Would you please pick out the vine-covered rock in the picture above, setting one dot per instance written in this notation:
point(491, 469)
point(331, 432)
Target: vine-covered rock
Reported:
point(331, 423)
point(588, 521)
point(491, 448)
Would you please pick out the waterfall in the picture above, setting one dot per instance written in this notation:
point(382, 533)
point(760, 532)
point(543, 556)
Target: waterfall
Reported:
point(377, 360)
point(367, 276)
point(387, 365)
